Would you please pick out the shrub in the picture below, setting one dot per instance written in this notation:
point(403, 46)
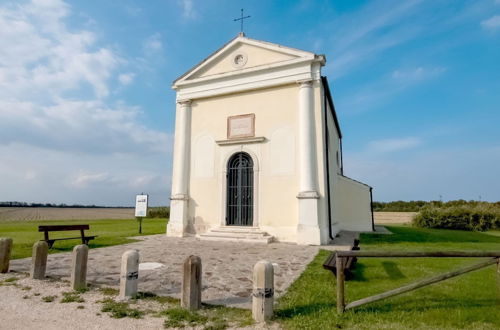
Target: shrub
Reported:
point(159, 212)
point(478, 217)
point(416, 206)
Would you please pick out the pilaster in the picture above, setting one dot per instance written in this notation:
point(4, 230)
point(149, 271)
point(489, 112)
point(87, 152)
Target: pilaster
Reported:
point(179, 201)
point(308, 231)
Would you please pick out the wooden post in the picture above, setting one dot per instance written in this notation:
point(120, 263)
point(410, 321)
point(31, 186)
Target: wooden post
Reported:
point(419, 284)
point(498, 274)
point(420, 254)
point(340, 284)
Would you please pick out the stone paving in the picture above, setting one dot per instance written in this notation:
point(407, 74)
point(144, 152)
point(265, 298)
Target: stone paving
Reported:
point(227, 266)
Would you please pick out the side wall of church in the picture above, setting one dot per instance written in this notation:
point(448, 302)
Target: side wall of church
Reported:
point(276, 159)
point(334, 161)
point(350, 205)
point(321, 161)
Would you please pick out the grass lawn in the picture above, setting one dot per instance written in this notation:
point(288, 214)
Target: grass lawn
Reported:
point(110, 232)
point(470, 301)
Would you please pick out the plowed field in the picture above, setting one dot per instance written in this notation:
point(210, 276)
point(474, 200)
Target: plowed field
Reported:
point(55, 213)
point(393, 217)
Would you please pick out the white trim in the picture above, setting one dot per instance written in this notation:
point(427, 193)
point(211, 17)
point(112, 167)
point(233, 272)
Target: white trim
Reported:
point(243, 40)
point(250, 70)
point(268, 76)
point(223, 180)
point(258, 139)
point(352, 181)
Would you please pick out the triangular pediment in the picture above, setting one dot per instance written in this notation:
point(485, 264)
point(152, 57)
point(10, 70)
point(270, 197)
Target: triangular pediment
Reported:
point(241, 55)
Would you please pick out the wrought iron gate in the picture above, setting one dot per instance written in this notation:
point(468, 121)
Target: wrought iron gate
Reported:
point(239, 211)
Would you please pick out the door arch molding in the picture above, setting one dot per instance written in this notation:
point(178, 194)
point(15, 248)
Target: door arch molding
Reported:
point(223, 183)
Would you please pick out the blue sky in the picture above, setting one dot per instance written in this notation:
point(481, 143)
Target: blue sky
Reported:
point(87, 112)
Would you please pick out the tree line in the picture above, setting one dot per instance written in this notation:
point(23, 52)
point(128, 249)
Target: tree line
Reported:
point(416, 206)
point(62, 205)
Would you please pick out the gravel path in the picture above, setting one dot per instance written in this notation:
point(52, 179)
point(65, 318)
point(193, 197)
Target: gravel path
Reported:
point(25, 309)
point(227, 266)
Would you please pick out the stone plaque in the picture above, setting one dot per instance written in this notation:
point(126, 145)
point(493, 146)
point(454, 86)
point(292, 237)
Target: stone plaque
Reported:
point(241, 126)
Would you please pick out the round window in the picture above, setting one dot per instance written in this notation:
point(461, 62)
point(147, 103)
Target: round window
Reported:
point(239, 60)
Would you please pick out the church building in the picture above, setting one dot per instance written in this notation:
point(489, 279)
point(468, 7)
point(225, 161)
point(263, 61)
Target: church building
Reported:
point(258, 150)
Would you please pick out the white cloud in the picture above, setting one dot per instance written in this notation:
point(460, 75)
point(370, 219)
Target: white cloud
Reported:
point(427, 174)
point(61, 138)
point(126, 78)
point(30, 175)
point(395, 144)
point(376, 93)
point(41, 56)
point(491, 23)
point(133, 10)
point(84, 179)
point(153, 44)
point(416, 74)
point(188, 10)
point(103, 179)
point(360, 36)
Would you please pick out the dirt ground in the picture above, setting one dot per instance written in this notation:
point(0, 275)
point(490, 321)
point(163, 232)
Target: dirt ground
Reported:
point(393, 217)
point(24, 305)
point(55, 213)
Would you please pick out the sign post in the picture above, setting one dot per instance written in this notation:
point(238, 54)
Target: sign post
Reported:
point(141, 209)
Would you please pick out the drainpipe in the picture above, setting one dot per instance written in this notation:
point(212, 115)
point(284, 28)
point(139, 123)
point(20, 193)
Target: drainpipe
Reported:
point(327, 157)
point(371, 207)
point(341, 158)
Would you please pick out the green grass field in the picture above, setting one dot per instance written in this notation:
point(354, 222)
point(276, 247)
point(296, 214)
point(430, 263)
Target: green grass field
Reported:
point(110, 232)
point(470, 301)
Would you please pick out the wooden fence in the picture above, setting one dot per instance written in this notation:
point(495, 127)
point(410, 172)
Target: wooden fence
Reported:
point(341, 257)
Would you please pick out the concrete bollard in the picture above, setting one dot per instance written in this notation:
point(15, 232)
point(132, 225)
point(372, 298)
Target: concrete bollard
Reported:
point(191, 283)
point(39, 260)
point(5, 249)
point(129, 275)
point(263, 291)
point(79, 267)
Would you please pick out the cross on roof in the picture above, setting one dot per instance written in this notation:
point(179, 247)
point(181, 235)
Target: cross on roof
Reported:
point(241, 19)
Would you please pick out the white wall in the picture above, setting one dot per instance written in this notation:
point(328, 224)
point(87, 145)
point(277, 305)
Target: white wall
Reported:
point(350, 200)
point(275, 201)
point(352, 207)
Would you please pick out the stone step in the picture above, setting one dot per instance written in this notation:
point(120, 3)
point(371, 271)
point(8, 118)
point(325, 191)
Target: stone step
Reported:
point(236, 235)
point(237, 229)
point(250, 235)
point(265, 240)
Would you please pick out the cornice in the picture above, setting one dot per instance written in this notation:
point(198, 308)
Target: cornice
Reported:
point(265, 77)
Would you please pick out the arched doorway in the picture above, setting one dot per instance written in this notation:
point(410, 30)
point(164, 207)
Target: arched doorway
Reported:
point(239, 202)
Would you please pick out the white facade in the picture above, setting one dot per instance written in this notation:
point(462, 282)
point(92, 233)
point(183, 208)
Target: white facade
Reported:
point(269, 106)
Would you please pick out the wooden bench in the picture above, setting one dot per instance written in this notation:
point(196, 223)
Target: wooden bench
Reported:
point(81, 228)
point(330, 262)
